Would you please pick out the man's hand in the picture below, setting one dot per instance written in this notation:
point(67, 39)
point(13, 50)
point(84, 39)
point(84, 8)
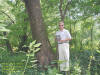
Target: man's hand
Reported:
point(62, 40)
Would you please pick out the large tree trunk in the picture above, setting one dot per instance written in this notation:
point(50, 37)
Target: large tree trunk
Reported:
point(38, 31)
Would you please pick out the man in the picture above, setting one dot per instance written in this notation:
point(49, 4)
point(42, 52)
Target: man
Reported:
point(63, 37)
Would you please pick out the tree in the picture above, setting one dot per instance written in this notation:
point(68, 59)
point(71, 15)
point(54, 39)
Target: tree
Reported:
point(63, 12)
point(45, 55)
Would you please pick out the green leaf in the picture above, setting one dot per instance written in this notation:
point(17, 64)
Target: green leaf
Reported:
point(31, 54)
point(34, 61)
point(34, 65)
point(31, 44)
point(37, 45)
point(3, 25)
point(3, 29)
point(2, 37)
point(37, 50)
point(98, 51)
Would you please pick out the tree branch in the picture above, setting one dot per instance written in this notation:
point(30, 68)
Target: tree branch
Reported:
point(65, 11)
point(8, 17)
point(60, 9)
point(62, 14)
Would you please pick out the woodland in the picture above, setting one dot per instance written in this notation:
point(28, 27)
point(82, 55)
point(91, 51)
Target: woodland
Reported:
point(27, 36)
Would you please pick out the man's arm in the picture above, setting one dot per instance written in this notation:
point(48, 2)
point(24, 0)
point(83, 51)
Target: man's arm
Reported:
point(67, 39)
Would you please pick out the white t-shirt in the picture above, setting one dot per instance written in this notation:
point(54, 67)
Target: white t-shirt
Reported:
point(62, 35)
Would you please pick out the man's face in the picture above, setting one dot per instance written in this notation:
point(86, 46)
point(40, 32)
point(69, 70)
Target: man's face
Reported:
point(61, 26)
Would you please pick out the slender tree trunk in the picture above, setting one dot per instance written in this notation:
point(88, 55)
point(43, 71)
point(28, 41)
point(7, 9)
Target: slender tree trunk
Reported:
point(45, 55)
point(7, 43)
point(63, 12)
point(93, 62)
point(22, 43)
point(23, 39)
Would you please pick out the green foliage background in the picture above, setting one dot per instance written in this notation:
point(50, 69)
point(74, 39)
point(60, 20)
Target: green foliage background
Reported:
point(82, 20)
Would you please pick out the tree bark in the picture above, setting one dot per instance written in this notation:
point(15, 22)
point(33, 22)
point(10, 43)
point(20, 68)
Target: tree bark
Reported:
point(45, 54)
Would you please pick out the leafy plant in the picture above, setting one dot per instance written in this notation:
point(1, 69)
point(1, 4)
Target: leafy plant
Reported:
point(31, 60)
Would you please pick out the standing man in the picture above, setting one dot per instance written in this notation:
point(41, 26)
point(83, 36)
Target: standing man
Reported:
point(63, 37)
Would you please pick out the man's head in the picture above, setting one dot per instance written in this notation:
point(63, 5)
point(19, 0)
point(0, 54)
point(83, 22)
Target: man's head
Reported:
point(61, 25)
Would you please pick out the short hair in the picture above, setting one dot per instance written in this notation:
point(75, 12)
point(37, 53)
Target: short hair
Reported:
point(61, 22)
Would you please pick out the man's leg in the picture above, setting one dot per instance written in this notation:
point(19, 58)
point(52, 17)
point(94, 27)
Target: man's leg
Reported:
point(63, 72)
point(66, 73)
point(64, 55)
